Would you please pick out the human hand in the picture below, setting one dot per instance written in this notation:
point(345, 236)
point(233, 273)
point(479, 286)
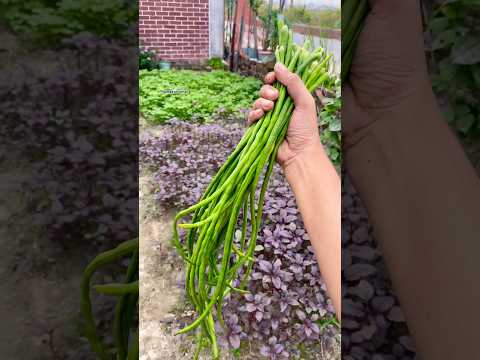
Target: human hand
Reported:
point(389, 70)
point(302, 134)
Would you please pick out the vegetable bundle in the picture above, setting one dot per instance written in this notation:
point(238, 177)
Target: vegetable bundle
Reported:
point(353, 16)
point(213, 256)
point(126, 341)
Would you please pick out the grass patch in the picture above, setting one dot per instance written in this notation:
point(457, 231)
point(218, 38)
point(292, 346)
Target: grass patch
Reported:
point(193, 95)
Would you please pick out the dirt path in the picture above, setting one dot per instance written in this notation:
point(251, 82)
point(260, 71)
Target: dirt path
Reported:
point(39, 281)
point(161, 276)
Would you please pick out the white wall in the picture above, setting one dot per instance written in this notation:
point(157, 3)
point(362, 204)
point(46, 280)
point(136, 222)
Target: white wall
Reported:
point(216, 15)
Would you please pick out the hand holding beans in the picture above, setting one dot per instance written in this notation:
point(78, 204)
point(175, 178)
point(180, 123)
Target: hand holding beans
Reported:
point(302, 131)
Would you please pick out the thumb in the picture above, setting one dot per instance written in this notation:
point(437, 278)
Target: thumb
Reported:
point(295, 87)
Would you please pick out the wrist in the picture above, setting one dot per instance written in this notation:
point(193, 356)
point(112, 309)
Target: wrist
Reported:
point(420, 106)
point(296, 169)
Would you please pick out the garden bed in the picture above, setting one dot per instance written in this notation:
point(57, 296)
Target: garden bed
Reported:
point(287, 307)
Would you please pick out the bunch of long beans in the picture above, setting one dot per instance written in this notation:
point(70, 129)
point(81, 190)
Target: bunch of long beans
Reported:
point(124, 335)
point(213, 259)
point(353, 16)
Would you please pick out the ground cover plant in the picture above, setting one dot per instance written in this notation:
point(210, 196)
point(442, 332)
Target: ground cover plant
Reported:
point(66, 113)
point(48, 22)
point(373, 324)
point(213, 260)
point(286, 308)
point(78, 132)
point(191, 95)
point(453, 51)
point(331, 127)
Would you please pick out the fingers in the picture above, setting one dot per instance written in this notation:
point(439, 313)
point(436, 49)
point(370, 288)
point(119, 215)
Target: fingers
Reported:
point(296, 89)
point(269, 78)
point(254, 115)
point(268, 92)
point(263, 104)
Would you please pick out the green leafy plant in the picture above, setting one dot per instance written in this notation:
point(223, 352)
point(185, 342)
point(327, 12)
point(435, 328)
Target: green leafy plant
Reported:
point(193, 95)
point(146, 60)
point(47, 22)
point(455, 60)
point(331, 128)
point(124, 333)
point(216, 63)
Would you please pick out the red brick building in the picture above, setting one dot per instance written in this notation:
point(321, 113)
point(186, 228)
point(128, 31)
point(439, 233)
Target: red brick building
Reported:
point(182, 30)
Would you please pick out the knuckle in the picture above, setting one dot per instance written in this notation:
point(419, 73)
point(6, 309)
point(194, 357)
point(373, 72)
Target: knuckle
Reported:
point(292, 78)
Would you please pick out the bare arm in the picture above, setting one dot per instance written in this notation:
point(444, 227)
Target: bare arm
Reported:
point(311, 175)
point(421, 193)
point(317, 189)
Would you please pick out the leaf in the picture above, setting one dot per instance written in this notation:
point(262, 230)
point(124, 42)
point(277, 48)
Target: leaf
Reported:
point(464, 123)
point(277, 282)
point(396, 314)
point(358, 271)
point(467, 51)
point(443, 39)
point(265, 266)
point(301, 315)
point(383, 303)
point(335, 125)
point(439, 24)
point(308, 332)
point(234, 340)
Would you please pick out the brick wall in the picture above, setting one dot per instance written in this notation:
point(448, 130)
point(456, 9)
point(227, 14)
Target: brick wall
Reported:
point(175, 29)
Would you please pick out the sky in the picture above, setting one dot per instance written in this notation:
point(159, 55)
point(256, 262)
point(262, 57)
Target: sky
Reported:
point(310, 3)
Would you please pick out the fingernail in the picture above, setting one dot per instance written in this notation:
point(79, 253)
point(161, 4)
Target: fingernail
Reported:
point(272, 92)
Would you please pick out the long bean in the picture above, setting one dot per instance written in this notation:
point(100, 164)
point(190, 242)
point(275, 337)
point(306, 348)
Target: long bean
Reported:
point(131, 286)
point(213, 255)
point(353, 17)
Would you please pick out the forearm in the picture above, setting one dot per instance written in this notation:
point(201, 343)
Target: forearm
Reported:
point(423, 200)
point(317, 190)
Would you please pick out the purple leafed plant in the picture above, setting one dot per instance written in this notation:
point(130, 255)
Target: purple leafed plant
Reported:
point(285, 280)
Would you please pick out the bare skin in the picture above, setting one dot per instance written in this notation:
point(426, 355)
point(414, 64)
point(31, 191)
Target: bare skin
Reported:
point(421, 192)
point(311, 175)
